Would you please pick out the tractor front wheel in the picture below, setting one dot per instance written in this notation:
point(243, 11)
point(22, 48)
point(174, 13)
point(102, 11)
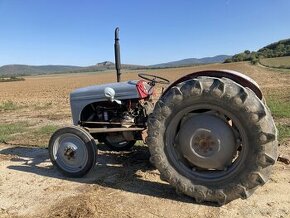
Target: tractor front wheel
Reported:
point(212, 139)
point(73, 151)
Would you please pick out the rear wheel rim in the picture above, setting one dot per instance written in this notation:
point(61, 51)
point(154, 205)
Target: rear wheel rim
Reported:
point(186, 168)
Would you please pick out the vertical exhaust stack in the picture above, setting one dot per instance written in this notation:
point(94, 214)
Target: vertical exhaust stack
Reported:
point(117, 55)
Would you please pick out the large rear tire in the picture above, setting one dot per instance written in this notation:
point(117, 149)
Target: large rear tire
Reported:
point(212, 139)
point(73, 151)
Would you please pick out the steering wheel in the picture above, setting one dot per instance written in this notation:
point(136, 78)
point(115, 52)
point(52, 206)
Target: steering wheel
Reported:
point(153, 79)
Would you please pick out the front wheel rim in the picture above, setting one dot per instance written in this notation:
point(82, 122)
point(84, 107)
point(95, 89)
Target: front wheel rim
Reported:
point(70, 153)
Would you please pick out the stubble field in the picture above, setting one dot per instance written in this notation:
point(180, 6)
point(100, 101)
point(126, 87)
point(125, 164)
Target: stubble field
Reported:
point(122, 184)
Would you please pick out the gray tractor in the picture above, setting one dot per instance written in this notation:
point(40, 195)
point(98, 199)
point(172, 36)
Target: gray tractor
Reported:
point(210, 134)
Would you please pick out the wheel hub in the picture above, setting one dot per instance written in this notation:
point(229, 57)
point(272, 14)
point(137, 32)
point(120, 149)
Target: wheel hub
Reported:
point(204, 143)
point(207, 141)
point(69, 152)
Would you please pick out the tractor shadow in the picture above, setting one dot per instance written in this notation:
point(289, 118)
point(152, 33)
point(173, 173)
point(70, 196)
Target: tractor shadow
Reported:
point(125, 171)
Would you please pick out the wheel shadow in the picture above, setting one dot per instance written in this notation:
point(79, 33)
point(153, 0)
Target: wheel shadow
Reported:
point(126, 171)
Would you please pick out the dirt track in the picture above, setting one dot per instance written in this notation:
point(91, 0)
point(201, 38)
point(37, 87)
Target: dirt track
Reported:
point(122, 184)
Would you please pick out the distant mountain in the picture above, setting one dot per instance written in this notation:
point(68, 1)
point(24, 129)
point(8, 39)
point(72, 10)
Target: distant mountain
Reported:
point(193, 61)
point(23, 70)
point(107, 65)
point(17, 69)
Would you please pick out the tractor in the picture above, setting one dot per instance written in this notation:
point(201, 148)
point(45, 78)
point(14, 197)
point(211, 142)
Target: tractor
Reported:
point(210, 134)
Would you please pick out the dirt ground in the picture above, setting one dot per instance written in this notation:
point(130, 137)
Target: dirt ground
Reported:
point(122, 184)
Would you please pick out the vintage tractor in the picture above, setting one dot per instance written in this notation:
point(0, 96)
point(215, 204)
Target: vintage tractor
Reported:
point(210, 134)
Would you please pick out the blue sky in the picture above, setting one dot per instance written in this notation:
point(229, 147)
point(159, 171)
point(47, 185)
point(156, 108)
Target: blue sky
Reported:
point(80, 32)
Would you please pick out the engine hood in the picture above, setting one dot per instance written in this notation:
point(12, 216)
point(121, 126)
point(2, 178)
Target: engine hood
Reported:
point(82, 97)
point(124, 90)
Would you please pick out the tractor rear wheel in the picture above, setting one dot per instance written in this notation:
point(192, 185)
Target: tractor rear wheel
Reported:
point(212, 139)
point(73, 151)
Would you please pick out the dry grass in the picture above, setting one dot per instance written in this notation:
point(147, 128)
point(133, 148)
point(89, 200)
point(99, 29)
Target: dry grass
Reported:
point(44, 100)
point(8, 130)
point(279, 62)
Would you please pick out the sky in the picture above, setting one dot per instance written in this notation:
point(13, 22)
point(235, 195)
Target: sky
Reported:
point(81, 32)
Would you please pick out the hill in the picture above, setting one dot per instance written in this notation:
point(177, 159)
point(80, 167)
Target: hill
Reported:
point(24, 70)
point(276, 49)
point(193, 61)
point(21, 70)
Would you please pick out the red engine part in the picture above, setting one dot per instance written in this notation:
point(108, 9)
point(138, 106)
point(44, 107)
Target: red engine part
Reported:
point(144, 89)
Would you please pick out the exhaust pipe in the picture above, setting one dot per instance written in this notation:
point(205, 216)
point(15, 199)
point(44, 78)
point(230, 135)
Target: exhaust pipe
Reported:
point(117, 55)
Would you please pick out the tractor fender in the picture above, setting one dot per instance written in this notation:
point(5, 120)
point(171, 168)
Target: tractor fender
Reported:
point(237, 77)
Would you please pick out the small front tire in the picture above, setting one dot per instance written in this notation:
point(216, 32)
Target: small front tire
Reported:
point(73, 151)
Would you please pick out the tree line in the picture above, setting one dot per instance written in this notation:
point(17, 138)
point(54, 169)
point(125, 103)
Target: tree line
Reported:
point(277, 49)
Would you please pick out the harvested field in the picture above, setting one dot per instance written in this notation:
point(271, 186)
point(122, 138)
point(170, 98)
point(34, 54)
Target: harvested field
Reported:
point(123, 184)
